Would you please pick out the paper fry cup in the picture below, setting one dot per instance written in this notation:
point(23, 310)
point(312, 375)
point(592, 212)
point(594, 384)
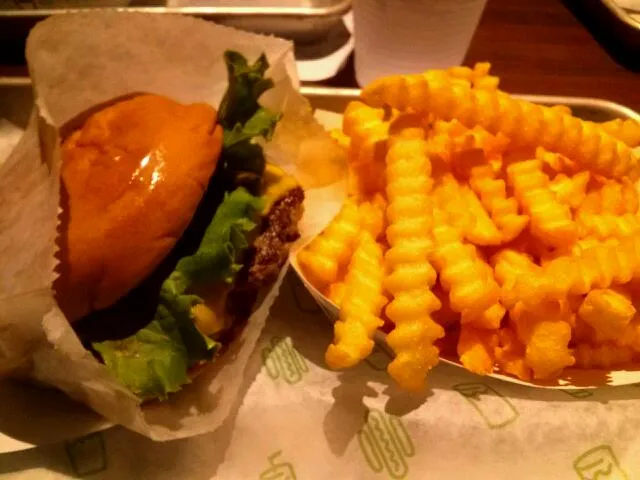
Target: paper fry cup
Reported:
point(572, 378)
point(77, 62)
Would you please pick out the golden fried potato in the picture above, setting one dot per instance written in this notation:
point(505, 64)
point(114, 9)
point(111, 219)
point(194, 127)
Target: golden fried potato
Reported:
point(607, 311)
point(411, 276)
point(476, 349)
point(511, 228)
point(361, 306)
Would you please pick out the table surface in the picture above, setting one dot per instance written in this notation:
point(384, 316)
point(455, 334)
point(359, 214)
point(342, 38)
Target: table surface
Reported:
point(536, 47)
point(540, 47)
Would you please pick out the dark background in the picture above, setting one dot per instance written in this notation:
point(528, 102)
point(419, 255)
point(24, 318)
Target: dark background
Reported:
point(554, 47)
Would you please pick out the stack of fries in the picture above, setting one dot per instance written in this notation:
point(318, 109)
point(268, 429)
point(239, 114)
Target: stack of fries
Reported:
point(505, 225)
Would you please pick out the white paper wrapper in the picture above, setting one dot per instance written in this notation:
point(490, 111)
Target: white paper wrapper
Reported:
point(9, 137)
point(300, 420)
point(77, 62)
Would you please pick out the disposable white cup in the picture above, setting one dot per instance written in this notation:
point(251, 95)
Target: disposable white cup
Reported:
point(407, 36)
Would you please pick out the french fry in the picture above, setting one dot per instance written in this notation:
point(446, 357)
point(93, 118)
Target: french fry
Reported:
point(607, 225)
point(570, 190)
point(372, 215)
point(510, 354)
point(476, 349)
point(411, 275)
point(563, 109)
point(463, 274)
point(448, 198)
point(361, 306)
point(608, 312)
point(627, 131)
point(509, 265)
point(452, 139)
point(546, 331)
point(630, 197)
point(611, 197)
point(368, 133)
point(484, 231)
point(523, 122)
point(341, 138)
point(599, 266)
point(551, 221)
point(489, 319)
point(478, 76)
point(556, 162)
point(631, 335)
point(492, 192)
point(335, 292)
point(602, 356)
point(328, 253)
point(514, 227)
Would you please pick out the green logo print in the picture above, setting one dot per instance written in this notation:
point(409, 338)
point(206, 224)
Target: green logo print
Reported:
point(496, 410)
point(579, 394)
point(278, 470)
point(282, 360)
point(599, 463)
point(385, 444)
point(87, 454)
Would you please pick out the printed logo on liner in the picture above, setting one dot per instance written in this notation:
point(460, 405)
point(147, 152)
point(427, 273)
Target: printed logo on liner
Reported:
point(278, 469)
point(579, 394)
point(495, 409)
point(599, 463)
point(282, 360)
point(87, 455)
point(386, 444)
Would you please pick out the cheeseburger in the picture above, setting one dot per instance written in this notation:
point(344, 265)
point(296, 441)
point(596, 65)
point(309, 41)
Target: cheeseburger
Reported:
point(173, 223)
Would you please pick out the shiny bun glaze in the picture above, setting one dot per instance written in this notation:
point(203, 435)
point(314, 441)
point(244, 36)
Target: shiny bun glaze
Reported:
point(132, 178)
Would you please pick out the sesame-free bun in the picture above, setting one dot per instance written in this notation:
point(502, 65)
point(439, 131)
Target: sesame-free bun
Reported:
point(132, 178)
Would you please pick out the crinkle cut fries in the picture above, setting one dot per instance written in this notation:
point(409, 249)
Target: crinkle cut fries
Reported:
point(506, 226)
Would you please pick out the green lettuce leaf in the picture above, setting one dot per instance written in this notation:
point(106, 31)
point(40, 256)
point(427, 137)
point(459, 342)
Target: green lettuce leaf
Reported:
point(246, 84)
point(223, 241)
point(154, 362)
point(261, 124)
point(241, 116)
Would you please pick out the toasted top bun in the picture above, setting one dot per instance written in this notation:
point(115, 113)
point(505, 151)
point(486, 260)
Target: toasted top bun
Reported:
point(132, 177)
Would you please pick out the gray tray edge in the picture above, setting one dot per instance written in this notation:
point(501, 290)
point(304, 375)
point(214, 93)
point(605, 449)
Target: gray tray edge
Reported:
point(339, 8)
point(352, 93)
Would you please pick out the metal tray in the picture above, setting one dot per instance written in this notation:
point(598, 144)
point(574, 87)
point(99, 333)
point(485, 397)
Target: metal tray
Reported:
point(16, 100)
point(594, 109)
point(304, 21)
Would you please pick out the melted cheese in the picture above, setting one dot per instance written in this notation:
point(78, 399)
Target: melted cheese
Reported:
point(206, 320)
point(277, 183)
